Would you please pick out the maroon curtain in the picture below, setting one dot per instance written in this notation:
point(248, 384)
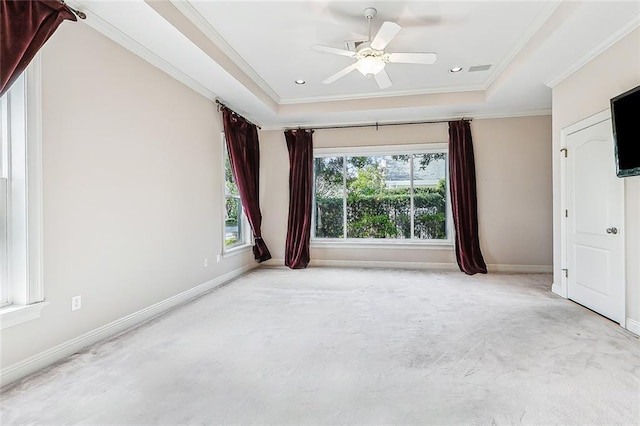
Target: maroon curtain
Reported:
point(244, 156)
point(462, 172)
point(300, 145)
point(25, 26)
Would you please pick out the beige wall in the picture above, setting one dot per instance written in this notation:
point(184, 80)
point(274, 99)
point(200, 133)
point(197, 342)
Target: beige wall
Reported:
point(132, 189)
point(583, 94)
point(513, 161)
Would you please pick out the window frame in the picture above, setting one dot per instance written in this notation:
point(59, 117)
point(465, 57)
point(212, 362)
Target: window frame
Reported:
point(24, 284)
point(245, 241)
point(384, 150)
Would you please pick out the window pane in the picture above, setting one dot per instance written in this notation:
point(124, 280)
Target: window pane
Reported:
point(329, 197)
point(429, 197)
point(3, 243)
point(4, 198)
point(378, 197)
point(234, 234)
point(4, 137)
point(232, 221)
point(230, 186)
point(397, 174)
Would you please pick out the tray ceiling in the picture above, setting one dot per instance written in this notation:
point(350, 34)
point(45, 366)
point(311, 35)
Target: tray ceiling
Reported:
point(249, 53)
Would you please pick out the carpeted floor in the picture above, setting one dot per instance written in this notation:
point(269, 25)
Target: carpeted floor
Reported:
point(351, 346)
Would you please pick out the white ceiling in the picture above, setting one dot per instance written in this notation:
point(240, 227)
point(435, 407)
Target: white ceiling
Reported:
point(248, 54)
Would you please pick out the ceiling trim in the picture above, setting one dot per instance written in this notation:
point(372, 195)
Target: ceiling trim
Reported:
point(542, 36)
point(188, 10)
point(413, 101)
point(477, 116)
point(114, 34)
point(544, 15)
point(364, 96)
point(600, 48)
point(167, 10)
point(512, 114)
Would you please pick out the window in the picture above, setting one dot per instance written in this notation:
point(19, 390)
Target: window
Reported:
point(20, 201)
point(235, 223)
point(388, 194)
point(4, 200)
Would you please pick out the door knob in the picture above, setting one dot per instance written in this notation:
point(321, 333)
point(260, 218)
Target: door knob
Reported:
point(612, 230)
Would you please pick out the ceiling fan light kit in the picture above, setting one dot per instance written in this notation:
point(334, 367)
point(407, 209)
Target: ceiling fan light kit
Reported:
point(370, 56)
point(370, 65)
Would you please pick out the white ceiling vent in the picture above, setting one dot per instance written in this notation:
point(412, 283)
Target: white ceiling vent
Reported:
point(476, 68)
point(353, 45)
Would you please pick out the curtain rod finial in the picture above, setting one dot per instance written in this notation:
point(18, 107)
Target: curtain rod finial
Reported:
point(80, 14)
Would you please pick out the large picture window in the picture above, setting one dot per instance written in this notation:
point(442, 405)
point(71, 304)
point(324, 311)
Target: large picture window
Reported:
point(392, 194)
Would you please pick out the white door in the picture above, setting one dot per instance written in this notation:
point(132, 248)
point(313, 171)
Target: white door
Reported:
point(595, 244)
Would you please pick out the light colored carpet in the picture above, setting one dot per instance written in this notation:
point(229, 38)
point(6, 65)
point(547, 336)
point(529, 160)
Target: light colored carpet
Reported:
point(351, 346)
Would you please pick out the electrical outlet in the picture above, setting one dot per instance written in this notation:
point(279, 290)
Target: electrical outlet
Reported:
point(76, 303)
point(205, 263)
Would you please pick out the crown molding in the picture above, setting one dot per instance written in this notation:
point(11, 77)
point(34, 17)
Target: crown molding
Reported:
point(600, 48)
point(378, 95)
point(513, 114)
point(189, 11)
point(478, 116)
point(108, 30)
point(542, 17)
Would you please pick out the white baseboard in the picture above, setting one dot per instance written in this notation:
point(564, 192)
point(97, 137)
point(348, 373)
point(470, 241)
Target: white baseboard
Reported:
point(633, 326)
point(521, 269)
point(50, 356)
point(385, 264)
point(417, 265)
point(371, 264)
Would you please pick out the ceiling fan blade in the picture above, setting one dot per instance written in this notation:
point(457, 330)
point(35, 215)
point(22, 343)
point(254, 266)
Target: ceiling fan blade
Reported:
point(341, 73)
point(334, 51)
point(412, 58)
point(383, 80)
point(386, 33)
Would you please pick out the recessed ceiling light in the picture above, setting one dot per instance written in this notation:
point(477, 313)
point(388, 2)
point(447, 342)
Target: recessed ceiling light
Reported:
point(455, 69)
point(300, 82)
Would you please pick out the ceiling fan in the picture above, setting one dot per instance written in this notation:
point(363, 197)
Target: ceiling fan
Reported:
point(371, 57)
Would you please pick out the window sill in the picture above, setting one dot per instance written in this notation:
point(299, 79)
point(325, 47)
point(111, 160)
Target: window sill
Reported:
point(235, 251)
point(17, 314)
point(377, 244)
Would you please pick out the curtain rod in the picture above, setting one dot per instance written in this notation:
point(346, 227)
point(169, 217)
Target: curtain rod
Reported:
point(376, 125)
point(80, 14)
point(221, 105)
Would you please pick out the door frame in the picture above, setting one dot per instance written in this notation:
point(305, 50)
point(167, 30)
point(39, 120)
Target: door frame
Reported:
point(563, 289)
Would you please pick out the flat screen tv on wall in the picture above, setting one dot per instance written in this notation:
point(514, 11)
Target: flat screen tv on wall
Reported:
point(625, 118)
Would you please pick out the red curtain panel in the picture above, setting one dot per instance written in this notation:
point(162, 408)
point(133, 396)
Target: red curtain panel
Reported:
point(300, 145)
point(462, 172)
point(244, 155)
point(25, 26)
